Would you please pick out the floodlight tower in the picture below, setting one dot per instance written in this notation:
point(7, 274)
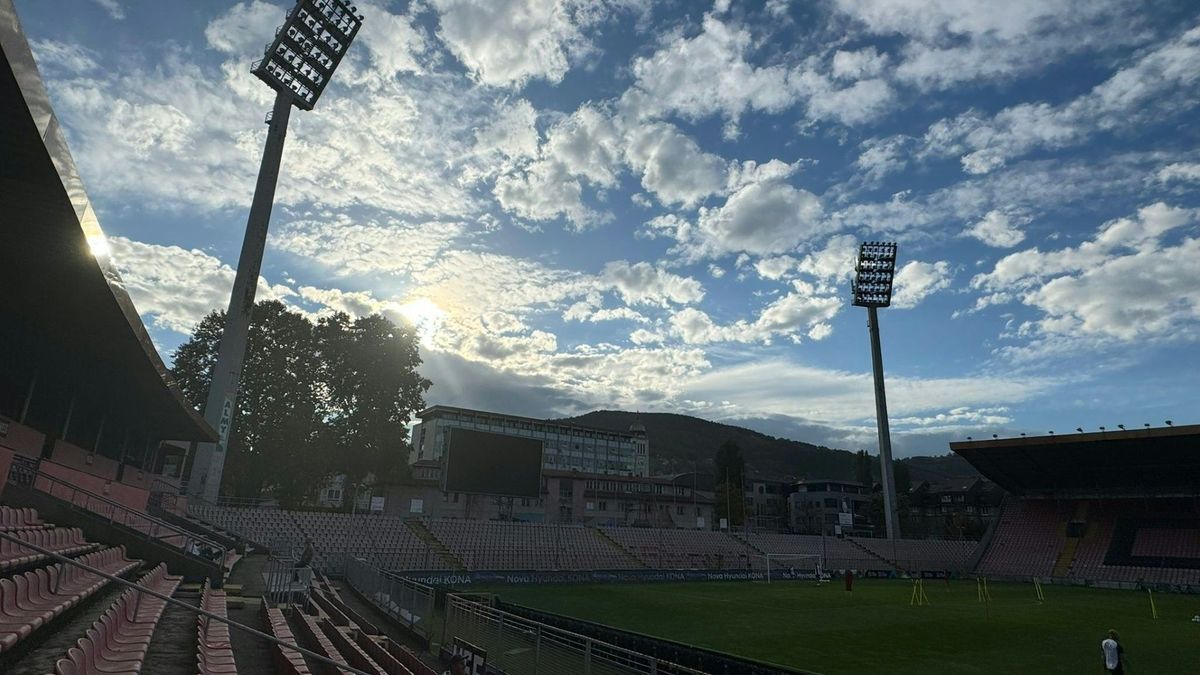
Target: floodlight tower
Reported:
point(872, 288)
point(298, 65)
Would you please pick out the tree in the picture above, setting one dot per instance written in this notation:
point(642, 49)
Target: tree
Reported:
point(863, 468)
point(730, 468)
point(373, 390)
point(314, 400)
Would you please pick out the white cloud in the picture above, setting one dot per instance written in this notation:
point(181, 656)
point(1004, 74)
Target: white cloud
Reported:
point(918, 280)
point(545, 192)
point(855, 104)
point(114, 8)
point(643, 283)
point(834, 262)
point(708, 74)
point(509, 42)
point(859, 65)
point(883, 156)
point(72, 58)
point(783, 387)
point(775, 267)
point(176, 287)
point(1128, 282)
point(673, 167)
point(946, 43)
point(1180, 171)
point(996, 229)
point(794, 313)
point(349, 247)
point(1157, 84)
point(761, 218)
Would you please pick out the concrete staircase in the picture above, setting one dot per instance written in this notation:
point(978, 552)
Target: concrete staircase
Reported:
point(418, 528)
point(1066, 557)
point(624, 551)
point(873, 554)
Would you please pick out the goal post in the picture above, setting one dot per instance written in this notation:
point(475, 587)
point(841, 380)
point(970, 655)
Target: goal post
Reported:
point(793, 566)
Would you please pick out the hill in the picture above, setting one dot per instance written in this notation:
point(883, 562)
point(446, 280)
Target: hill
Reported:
point(679, 442)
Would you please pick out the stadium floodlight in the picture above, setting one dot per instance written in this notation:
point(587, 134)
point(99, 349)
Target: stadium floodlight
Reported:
point(1121, 427)
point(1169, 423)
point(872, 288)
point(298, 65)
point(307, 49)
point(1079, 429)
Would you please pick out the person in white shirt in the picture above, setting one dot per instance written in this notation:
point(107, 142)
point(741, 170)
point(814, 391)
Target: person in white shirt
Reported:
point(1114, 653)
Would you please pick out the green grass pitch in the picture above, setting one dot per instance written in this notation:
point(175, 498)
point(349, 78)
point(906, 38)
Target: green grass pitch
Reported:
point(826, 630)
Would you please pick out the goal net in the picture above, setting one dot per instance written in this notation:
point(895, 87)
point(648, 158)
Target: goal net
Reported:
point(781, 566)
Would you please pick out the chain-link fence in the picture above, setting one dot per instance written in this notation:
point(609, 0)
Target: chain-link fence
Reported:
point(519, 646)
point(405, 601)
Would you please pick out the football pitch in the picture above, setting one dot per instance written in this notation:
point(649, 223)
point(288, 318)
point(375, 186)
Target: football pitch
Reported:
point(874, 629)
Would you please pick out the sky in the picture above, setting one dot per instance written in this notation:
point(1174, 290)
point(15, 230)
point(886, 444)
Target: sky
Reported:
point(589, 204)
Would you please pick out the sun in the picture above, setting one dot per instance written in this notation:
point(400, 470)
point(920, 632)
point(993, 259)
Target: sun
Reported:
point(425, 316)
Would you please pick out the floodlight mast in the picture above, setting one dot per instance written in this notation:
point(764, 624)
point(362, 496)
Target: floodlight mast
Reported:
point(872, 288)
point(298, 65)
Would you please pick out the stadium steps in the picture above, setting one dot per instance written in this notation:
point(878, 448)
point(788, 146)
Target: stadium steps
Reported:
point(872, 554)
point(624, 552)
point(1066, 557)
point(418, 528)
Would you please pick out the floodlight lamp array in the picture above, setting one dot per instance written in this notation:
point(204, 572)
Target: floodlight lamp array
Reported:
point(875, 270)
point(307, 49)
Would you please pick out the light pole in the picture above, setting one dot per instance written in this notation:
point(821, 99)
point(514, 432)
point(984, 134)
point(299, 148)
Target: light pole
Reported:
point(298, 65)
point(872, 288)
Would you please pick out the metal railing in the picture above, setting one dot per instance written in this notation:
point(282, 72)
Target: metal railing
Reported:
point(149, 527)
point(519, 646)
point(183, 605)
point(403, 600)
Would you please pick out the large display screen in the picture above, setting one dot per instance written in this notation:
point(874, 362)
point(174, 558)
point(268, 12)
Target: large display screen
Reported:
point(479, 462)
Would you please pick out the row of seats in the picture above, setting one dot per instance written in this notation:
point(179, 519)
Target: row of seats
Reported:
point(63, 541)
point(18, 519)
point(1031, 539)
point(1028, 539)
point(31, 600)
point(1167, 542)
point(391, 543)
point(214, 648)
point(923, 554)
point(117, 642)
point(287, 661)
point(494, 545)
point(685, 549)
point(333, 628)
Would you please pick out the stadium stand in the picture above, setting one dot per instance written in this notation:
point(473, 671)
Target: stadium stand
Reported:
point(489, 545)
point(1114, 508)
point(685, 549)
point(118, 641)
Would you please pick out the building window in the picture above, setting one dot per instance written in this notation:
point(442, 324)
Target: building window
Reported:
point(679, 510)
point(591, 506)
point(603, 506)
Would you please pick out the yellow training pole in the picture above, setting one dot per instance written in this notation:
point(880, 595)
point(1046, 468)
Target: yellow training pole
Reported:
point(1153, 609)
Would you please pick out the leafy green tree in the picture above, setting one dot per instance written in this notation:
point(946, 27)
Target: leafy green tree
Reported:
point(314, 400)
point(373, 389)
point(863, 468)
point(729, 473)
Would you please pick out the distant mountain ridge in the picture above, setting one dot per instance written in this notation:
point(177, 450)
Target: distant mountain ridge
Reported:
point(679, 442)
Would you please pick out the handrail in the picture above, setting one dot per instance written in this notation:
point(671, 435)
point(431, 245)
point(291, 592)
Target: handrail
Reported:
point(115, 505)
point(189, 607)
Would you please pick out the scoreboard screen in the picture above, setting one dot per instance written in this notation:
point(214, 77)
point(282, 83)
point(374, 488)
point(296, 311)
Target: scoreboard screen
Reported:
point(478, 462)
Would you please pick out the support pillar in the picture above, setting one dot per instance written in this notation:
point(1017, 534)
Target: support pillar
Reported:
point(209, 464)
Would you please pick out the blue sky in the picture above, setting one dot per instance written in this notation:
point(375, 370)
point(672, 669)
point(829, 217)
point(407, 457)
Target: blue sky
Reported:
point(618, 204)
